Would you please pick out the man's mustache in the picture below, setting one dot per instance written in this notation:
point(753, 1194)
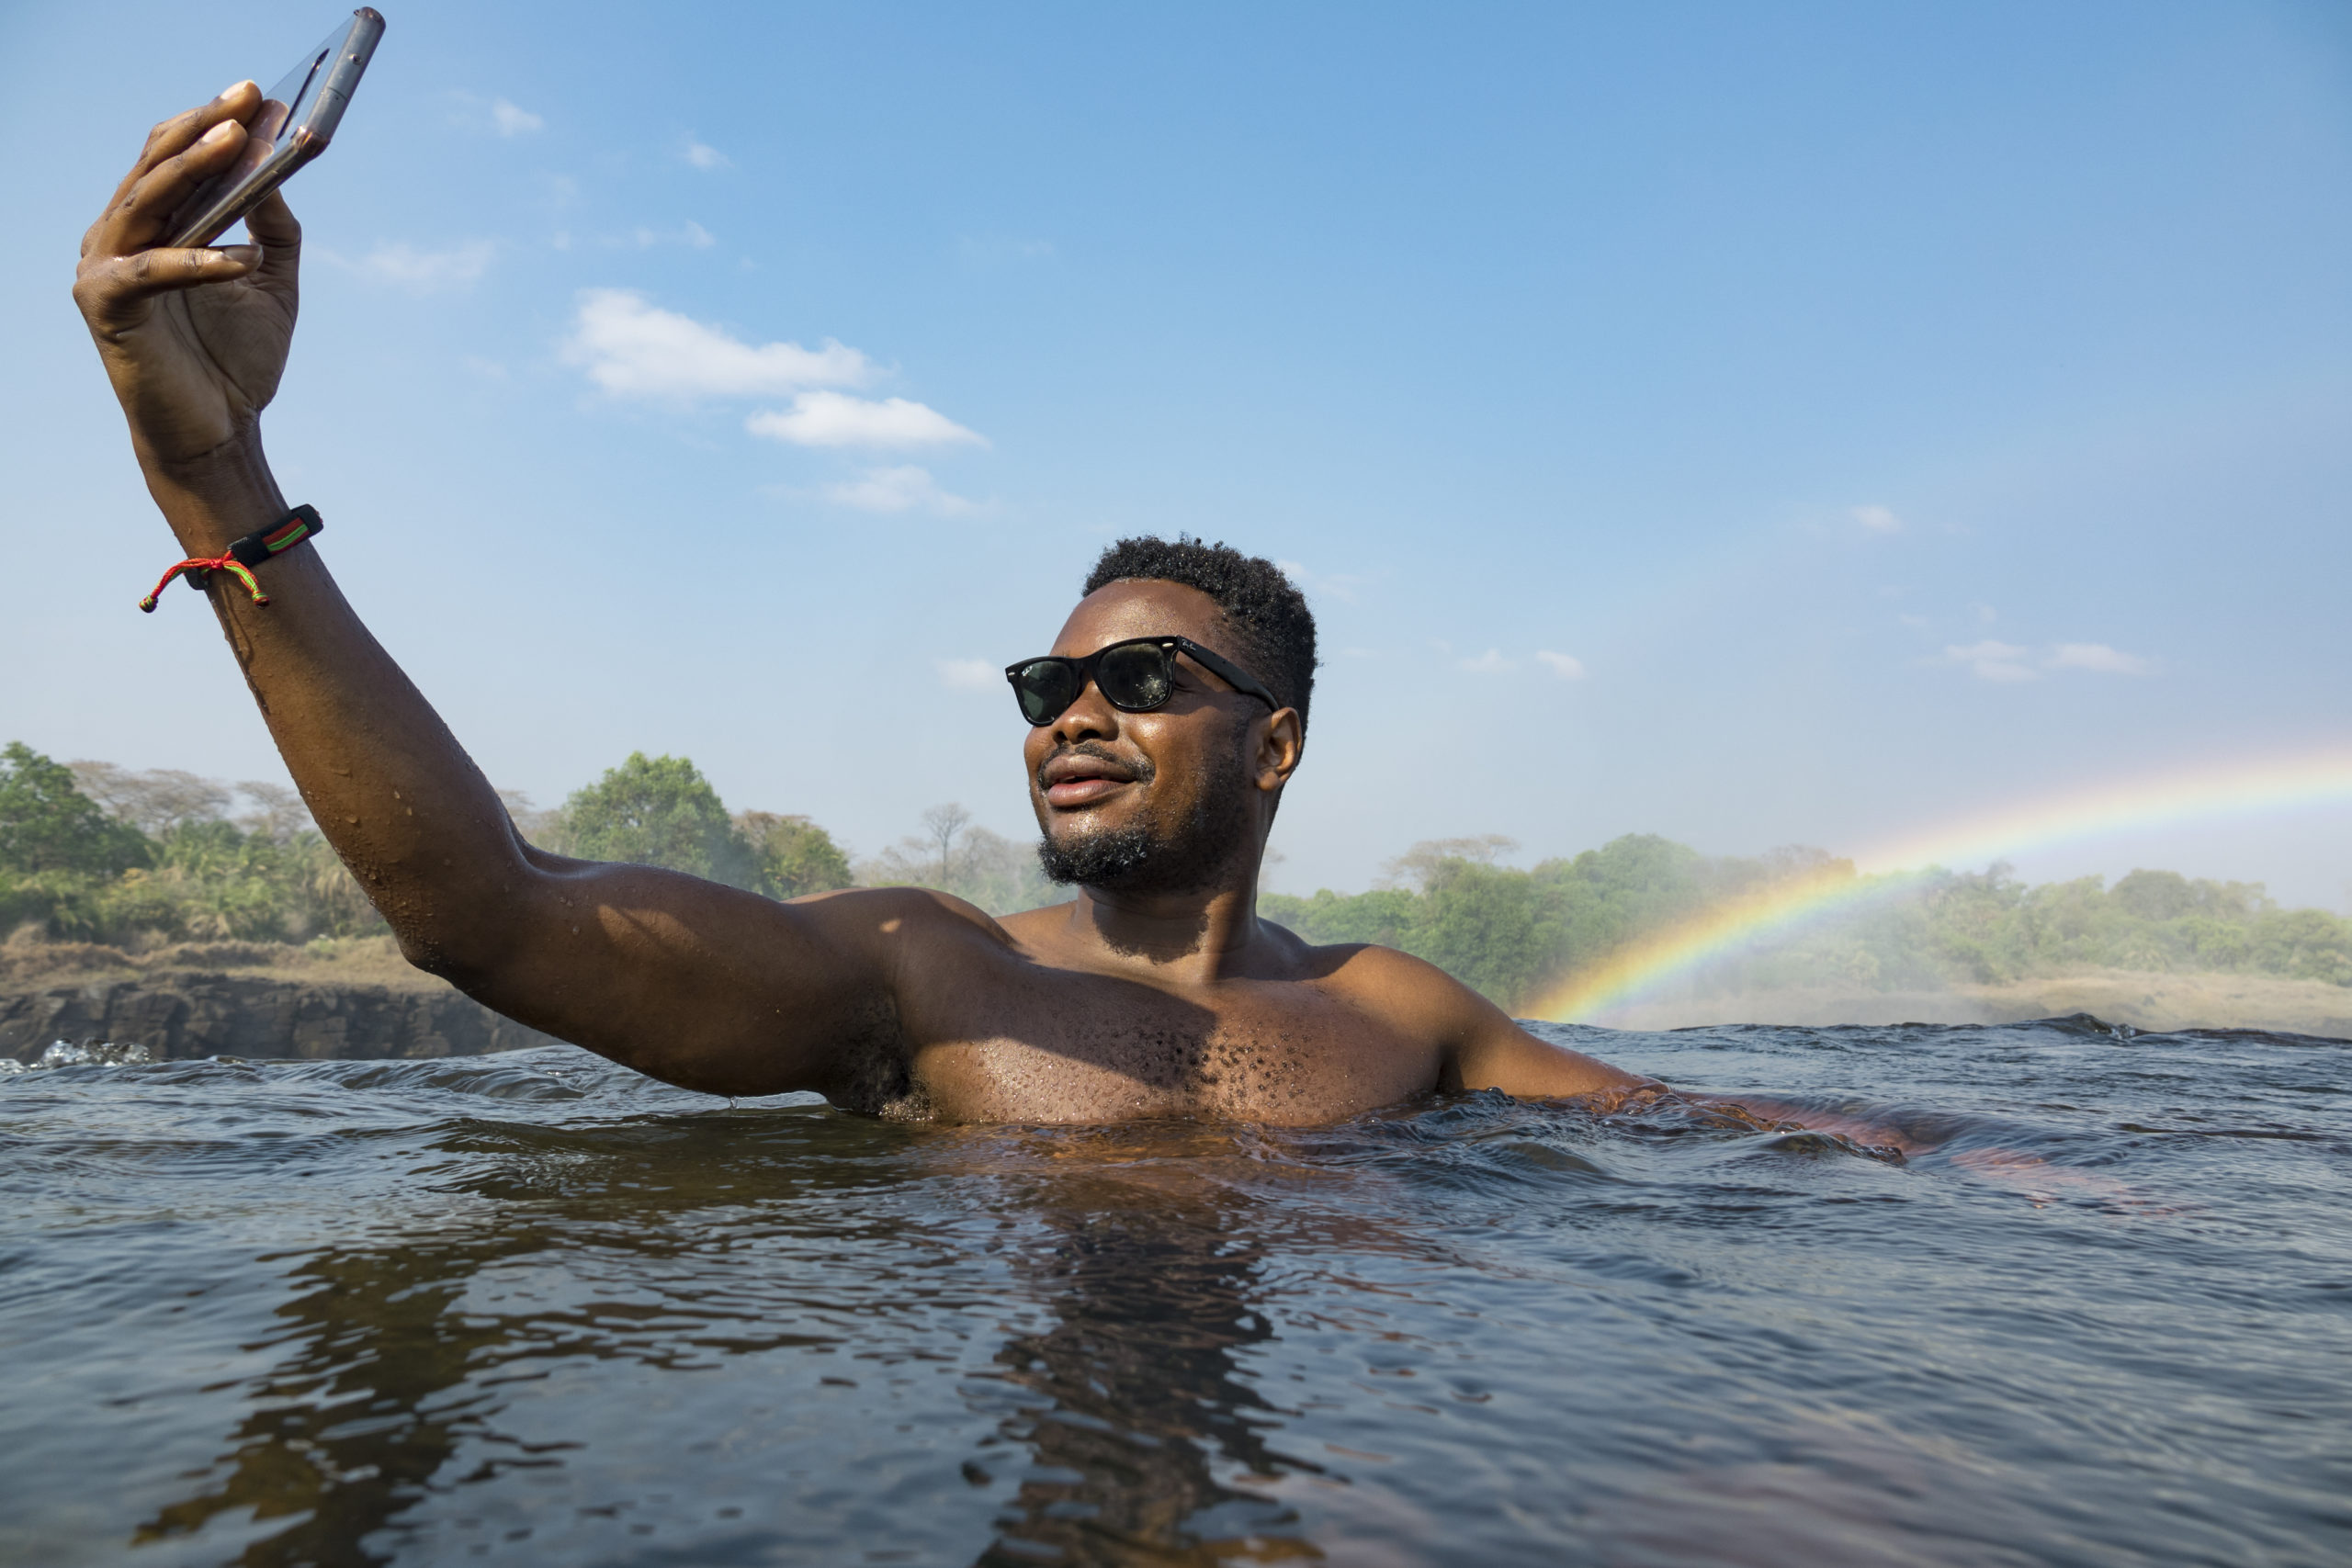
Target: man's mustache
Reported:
point(1134, 769)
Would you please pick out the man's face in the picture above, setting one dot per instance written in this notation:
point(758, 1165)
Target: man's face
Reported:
point(1166, 801)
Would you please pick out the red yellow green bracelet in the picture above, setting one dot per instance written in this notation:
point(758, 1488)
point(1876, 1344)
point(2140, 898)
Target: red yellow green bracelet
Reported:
point(240, 558)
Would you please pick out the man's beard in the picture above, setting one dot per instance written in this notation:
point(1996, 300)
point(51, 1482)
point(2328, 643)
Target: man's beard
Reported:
point(1140, 858)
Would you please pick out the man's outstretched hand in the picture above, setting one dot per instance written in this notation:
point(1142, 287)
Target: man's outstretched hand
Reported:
point(194, 339)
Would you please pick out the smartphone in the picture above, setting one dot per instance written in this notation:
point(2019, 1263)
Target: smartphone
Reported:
point(295, 120)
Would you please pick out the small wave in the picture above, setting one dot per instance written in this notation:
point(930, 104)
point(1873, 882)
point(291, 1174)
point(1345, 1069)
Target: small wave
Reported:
point(90, 1054)
point(487, 1076)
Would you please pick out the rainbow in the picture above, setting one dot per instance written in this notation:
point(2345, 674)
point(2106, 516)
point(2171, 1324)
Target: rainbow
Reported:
point(2273, 783)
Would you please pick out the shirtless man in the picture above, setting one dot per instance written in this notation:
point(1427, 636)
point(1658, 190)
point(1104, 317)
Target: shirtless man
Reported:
point(1155, 771)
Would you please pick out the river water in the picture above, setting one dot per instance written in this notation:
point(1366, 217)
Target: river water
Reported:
point(533, 1309)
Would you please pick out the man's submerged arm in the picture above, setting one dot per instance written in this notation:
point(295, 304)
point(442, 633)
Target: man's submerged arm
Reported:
point(1498, 1054)
point(1479, 1045)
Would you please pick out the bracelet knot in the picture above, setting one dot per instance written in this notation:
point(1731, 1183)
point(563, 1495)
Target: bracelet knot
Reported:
point(240, 558)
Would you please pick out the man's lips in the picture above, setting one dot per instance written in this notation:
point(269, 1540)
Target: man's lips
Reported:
point(1075, 779)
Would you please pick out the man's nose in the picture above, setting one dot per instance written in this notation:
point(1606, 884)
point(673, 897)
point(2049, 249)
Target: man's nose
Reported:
point(1089, 718)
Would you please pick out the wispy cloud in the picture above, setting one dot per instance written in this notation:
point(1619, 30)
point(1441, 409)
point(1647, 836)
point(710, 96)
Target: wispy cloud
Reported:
point(903, 489)
point(702, 155)
point(689, 233)
point(2008, 661)
point(421, 271)
point(498, 116)
point(1566, 666)
point(513, 120)
point(1341, 585)
point(631, 348)
point(1994, 661)
point(836, 419)
point(969, 674)
point(1490, 663)
point(2100, 656)
point(1877, 519)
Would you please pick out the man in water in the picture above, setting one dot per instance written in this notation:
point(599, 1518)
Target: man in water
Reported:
point(1164, 725)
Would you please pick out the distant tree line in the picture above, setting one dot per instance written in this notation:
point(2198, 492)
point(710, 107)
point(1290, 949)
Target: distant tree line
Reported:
point(92, 852)
point(1516, 935)
point(661, 811)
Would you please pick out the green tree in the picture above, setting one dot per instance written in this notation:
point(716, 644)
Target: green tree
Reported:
point(956, 855)
point(792, 856)
point(49, 825)
point(659, 811)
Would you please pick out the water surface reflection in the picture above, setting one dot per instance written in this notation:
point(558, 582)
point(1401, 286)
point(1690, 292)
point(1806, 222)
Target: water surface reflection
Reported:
point(530, 1309)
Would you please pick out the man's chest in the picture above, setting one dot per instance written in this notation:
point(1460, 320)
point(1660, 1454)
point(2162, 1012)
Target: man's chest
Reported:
point(1063, 1047)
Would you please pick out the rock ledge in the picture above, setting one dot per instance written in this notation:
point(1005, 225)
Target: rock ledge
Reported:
point(196, 1014)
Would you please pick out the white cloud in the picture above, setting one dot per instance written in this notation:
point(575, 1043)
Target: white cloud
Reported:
point(703, 156)
point(1993, 661)
point(1566, 666)
point(1985, 612)
point(1877, 519)
point(1490, 663)
point(632, 349)
point(690, 233)
point(969, 674)
point(836, 419)
point(2100, 656)
point(1340, 586)
point(498, 116)
point(423, 272)
point(513, 121)
point(902, 488)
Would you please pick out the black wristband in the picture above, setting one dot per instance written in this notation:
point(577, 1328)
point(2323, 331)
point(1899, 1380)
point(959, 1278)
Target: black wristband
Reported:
point(244, 555)
point(279, 537)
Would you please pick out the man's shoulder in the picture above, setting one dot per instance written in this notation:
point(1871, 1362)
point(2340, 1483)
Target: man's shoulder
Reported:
point(1366, 966)
point(904, 911)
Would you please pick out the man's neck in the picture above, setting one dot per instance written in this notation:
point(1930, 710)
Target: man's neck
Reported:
point(1187, 937)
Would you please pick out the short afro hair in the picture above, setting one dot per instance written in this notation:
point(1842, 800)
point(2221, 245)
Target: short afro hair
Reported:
point(1268, 613)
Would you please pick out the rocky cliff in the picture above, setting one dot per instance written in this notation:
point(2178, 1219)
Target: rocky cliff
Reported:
point(178, 1008)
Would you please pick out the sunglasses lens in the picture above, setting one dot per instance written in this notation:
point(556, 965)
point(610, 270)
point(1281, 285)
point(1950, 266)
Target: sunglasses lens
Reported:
point(1135, 676)
point(1044, 687)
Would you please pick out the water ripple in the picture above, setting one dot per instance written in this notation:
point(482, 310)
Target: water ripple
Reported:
point(2051, 1293)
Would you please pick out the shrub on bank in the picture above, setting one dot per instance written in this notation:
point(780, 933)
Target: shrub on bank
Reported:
point(1513, 934)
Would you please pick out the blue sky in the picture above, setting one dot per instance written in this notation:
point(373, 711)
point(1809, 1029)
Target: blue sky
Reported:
point(1748, 423)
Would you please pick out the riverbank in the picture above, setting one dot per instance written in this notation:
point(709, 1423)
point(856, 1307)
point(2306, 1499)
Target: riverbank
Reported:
point(353, 999)
point(2141, 999)
point(360, 999)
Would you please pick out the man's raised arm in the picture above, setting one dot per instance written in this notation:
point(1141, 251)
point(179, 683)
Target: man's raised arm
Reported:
point(701, 985)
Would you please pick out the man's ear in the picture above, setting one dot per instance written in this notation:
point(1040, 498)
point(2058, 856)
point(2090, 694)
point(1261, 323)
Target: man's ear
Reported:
point(1280, 745)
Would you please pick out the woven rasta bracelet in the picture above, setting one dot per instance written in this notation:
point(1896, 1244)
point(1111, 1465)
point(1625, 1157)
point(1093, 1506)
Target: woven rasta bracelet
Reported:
point(245, 554)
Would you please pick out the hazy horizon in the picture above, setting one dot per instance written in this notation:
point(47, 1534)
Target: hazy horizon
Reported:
point(1752, 427)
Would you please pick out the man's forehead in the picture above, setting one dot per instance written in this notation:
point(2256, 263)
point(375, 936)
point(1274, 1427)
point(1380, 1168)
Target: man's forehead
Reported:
point(1141, 606)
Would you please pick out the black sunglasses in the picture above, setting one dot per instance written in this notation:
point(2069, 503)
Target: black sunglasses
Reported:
point(1135, 676)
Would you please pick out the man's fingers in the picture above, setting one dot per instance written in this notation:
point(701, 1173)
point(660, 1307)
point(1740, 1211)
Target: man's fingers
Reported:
point(114, 293)
point(178, 134)
point(272, 227)
point(271, 223)
point(138, 220)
